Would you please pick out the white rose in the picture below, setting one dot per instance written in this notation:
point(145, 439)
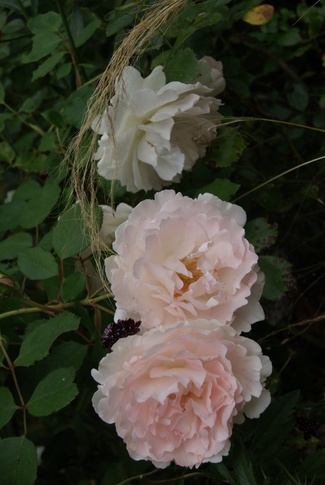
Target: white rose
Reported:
point(159, 129)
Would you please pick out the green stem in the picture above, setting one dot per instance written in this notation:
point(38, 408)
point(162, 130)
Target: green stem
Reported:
point(70, 38)
point(12, 370)
point(30, 125)
point(37, 307)
point(103, 309)
point(20, 311)
point(91, 301)
point(94, 79)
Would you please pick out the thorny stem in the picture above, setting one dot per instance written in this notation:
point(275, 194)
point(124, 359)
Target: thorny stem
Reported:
point(12, 370)
point(50, 309)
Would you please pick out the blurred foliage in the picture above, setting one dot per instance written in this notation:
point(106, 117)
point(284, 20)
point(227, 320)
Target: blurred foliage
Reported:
point(51, 55)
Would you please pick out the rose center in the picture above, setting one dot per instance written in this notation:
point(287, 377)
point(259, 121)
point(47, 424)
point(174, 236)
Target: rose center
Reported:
point(191, 266)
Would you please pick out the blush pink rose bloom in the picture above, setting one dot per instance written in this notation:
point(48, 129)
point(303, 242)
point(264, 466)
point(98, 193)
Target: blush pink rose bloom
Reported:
point(179, 259)
point(174, 393)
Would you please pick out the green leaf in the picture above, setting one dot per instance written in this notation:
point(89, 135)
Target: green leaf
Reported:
point(313, 465)
point(10, 4)
point(44, 23)
point(64, 70)
point(18, 461)
point(291, 37)
point(2, 93)
point(222, 188)
point(26, 190)
point(37, 264)
point(117, 22)
point(243, 469)
point(76, 22)
point(38, 341)
point(230, 149)
point(87, 32)
point(52, 287)
point(53, 393)
point(7, 406)
point(225, 473)
point(273, 199)
point(39, 206)
point(10, 29)
point(31, 162)
point(13, 245)
point(183, 67)
point(194, 17)
point(54, 117)
point(298, 98)
point(70, 236)
point(43, 45)
point(75, 106)
point(47, 65)
point(277, 276)
point(48, 142)
point(261, 234)
point(4, 117)
point(9, 214)
point(30, 105)
point(71, 353)
point(72, 287)
point(274, 425)
point(7, 154)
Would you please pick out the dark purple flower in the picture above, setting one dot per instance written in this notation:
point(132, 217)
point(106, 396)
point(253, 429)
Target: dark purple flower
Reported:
point(121, 329)
point(307, 426)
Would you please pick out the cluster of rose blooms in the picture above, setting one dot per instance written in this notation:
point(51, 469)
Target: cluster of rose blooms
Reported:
point(179, 373)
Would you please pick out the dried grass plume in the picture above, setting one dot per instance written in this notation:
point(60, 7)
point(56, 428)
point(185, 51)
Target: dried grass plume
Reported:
point(80, 153)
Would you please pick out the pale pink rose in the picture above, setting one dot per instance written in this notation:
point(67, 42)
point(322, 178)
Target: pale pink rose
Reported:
point(111, 220)
point(153, 130)
point(179, 259)
point(174, 393)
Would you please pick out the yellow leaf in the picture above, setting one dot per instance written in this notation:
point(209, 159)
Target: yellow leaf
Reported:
point(323, 60)
point(259, 15)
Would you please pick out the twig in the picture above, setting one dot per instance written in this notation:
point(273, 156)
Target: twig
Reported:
point(278, 176)
point(72, 45)
point(12, 370)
